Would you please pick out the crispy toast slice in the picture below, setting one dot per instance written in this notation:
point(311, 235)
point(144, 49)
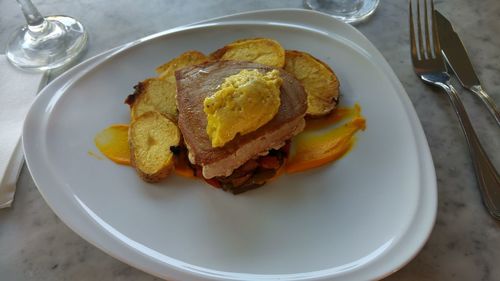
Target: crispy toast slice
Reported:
point(185, 59)
point(151, 137)
point(259, 50)
point(153, 94)
point(319, 81)
point(158, 93)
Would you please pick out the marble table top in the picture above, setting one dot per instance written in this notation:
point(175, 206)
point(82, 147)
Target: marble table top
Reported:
point(465, 242)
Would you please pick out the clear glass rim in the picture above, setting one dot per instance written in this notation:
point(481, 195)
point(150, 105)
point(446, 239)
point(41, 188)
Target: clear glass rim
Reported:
point(23, 58)
point(367, 8)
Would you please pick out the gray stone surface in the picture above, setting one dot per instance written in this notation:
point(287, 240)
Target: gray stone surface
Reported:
point(465, 242)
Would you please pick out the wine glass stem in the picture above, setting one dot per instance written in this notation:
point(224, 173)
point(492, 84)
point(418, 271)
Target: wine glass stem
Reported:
point(36, 22)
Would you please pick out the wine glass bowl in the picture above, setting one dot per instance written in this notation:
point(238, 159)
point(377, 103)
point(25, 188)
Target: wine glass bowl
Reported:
point(349, 11)
point(46, 43)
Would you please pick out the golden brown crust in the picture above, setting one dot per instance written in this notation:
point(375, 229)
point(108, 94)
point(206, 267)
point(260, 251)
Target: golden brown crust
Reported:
point(169, 137)
point(153, 94)
point(259, 50)
point(158, 93)
point(131, 99)
point(153, 178)
point(318, 79)
point(185, 59)
point(217, 54)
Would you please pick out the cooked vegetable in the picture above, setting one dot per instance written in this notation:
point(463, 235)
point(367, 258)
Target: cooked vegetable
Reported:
point(158, 94)
point(151, 137)
point(260, 50)
point(188, 58)
point(153, 94)
point(318, 80)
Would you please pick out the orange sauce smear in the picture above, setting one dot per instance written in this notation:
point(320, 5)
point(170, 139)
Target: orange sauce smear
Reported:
point(321, 142)
point(324, 140)
point(113, 143)
point(95, 155)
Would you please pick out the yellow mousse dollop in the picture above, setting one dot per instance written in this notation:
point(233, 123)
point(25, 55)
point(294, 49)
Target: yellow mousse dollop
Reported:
point(243, 103)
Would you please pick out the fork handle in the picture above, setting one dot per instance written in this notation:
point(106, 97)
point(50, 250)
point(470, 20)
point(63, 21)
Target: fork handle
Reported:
point(488, 101)
point(487, 176)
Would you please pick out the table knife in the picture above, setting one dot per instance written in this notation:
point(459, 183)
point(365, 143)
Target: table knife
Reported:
point(456, 55)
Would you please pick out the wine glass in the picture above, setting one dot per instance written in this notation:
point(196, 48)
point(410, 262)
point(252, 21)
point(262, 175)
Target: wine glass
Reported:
point(45, 43)
point(350, 11)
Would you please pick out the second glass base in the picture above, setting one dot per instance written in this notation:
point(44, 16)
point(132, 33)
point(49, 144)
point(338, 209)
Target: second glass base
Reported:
point(56, 42)
point(348, 11)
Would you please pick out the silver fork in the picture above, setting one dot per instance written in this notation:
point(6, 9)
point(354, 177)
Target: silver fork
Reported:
point(430, 67)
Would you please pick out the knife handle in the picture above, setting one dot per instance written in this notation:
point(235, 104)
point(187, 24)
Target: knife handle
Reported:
point(486, 174)
point(488, 101)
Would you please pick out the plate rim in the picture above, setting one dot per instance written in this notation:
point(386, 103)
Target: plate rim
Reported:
point(78, 71)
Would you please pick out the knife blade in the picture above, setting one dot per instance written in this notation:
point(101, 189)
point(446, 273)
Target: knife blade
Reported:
point(455, 52)
point(458, 59)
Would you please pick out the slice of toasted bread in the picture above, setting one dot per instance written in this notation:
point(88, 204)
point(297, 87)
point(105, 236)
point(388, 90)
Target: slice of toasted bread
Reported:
point(150, 137)
point(260, 50)
point(185, 59)
point(319, 81)
point(153, 94)
point(158, 94)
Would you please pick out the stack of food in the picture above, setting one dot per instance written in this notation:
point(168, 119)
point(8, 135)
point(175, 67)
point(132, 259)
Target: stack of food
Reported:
point(231, 113)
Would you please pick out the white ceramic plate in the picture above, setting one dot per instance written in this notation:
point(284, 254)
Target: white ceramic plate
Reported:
point(361, 218)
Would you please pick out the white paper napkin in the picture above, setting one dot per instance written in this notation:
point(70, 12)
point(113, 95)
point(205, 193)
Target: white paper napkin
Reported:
point(17, 91)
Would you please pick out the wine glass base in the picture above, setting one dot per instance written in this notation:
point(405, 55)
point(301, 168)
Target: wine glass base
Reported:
point(365, 10)
point(61, 42)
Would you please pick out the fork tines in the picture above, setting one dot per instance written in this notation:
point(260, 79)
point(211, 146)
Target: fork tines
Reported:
point(427, 45)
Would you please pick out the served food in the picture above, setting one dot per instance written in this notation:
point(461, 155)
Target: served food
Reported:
point(151, 137)
point(236, 118)
point(318, 79)
point(241, 104)
point(188, 58)
point(197, 83)
point(259, 50)
point(153, 94)
point(113, 142)
point(158, 93)
point(321, 143)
